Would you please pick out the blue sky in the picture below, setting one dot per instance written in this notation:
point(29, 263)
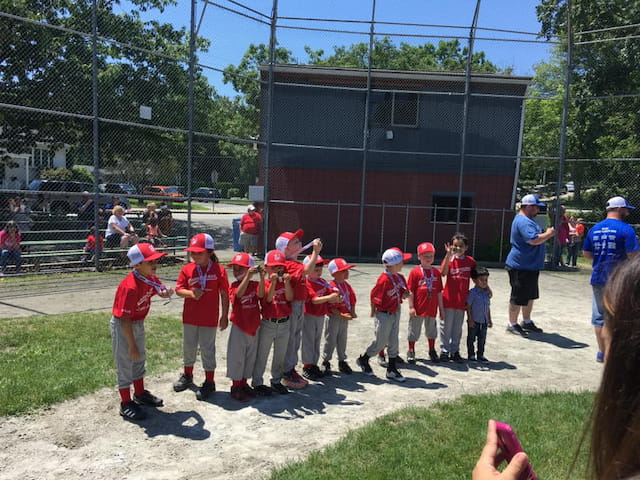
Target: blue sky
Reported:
point(231, 34)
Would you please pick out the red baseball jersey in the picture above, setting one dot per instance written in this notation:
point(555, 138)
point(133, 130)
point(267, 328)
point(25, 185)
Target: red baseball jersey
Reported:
point(425, 284)
point(211, 279)
point(347, 297)
point(387, 293)
point(456, 286)
point(279, 306)
point(133, 297)
point(317, 288)
point(296, 270)
point(245, 309)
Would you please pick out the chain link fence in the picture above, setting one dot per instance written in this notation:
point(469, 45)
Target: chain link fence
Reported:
point(396, 137)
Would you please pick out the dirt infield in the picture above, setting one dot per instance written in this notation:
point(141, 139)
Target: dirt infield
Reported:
point(220, 438)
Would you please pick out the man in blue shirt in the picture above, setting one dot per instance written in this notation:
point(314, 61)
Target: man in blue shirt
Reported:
point(608, 242)
point(524, 262)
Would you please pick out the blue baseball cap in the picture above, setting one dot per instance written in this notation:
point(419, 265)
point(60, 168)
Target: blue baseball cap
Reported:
point(531, 199)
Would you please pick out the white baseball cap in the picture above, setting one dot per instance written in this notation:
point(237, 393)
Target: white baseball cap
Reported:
point(531, 199)
point(394, 255)
point(142, 252)
point(618, 202)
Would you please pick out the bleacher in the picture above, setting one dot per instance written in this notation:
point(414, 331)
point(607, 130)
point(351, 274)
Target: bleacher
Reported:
point(54, 243)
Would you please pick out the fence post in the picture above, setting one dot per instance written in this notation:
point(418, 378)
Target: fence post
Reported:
point(382, 230)
point(406, 228)
point(337, 226)
point(501, 236)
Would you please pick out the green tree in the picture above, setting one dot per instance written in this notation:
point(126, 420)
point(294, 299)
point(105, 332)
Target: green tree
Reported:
point(50, 69)
point(605, 83)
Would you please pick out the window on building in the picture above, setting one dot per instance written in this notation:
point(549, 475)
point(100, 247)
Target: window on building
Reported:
point(405, 109)
point(396, 109)
point(445, 208)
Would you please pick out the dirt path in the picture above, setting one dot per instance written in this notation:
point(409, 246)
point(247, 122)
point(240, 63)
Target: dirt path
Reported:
point(187, 439)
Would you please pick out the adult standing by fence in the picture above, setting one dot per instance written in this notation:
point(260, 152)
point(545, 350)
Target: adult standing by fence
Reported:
point(250, 228)
point(524, 262)
point(608, 242)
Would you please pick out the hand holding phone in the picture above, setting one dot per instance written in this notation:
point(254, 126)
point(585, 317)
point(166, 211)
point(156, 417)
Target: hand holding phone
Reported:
point(509, 445)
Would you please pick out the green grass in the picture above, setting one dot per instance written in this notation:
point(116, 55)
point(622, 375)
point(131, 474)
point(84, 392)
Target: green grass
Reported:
point(47, 359)
point(445, 440)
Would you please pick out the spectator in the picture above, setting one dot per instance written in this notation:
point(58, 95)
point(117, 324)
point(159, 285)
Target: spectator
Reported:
point(115, 201)
point(85, 210)
point(20, 213)
point(149, 212)
point(119, 230)
point(576, 230)
point(607, 243)
point(562, 238)
point(614, 452)
point(90, 247)
point(250, 228)
point(165, 219)
point(524, 262)
point(10, 246)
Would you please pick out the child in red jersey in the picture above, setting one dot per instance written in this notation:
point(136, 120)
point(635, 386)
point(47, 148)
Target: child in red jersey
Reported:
point(320, 297)
point(274, 326)
point(90, 247)
point(386, 297)
point(456, 268)
point(244, 295)
point(204, 286)
point(289, 243)
point(337, 323)
point(130, 307)
point(425, 300)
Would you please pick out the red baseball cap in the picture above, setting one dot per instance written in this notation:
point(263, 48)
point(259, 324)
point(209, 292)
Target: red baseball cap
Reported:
point(274, 258)
point(285, 237)
point(200, 242)
point(142, 252)
point(426, 247)
point(319, 260)
point(242, 259)
point(338, 265)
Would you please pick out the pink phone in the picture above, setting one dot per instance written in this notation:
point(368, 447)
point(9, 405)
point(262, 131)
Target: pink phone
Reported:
point(509, 445)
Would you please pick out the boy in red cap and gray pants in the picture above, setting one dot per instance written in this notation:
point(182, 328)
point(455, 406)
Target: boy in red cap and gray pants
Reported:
point(337, 323)
point(425, 301)
point(386, 297)
point(274, 327)
point(245, 294)
point(289, 243)
point(130, 307)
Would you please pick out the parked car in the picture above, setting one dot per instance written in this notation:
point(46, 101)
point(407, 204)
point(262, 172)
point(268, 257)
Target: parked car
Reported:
point(203, 193)
point(162, 191)
point(119, 188)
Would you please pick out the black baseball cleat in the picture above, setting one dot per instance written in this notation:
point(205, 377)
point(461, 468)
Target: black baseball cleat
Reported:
point(531, 327)
point(148, 398)
point(203, 392)
point(517, 330)
point(132, 411)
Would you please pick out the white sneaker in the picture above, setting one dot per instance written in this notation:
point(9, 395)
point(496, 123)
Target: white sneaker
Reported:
point(395, 375)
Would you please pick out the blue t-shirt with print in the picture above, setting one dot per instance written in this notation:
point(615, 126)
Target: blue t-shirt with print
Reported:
point(522, 255)
point(608, 241)
point(478, 301)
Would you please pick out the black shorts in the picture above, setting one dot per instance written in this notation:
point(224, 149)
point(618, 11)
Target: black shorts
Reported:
point(524, 285)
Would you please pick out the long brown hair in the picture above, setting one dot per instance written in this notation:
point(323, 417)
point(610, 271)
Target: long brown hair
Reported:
point(615, 421)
